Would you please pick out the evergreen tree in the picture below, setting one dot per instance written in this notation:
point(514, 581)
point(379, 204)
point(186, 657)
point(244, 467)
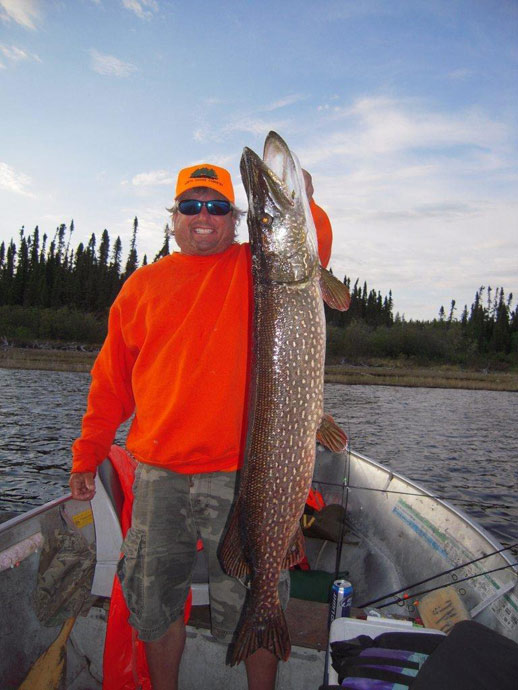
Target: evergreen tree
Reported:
point(132, 262)
point(164, 251)
point(8, 273)
point(21, 271)
point(501, 333)
point(452, 311)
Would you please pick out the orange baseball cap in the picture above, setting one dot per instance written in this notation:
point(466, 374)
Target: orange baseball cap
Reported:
point(205, 175)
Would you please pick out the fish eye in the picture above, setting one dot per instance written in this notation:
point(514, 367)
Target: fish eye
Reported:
point(266, 219)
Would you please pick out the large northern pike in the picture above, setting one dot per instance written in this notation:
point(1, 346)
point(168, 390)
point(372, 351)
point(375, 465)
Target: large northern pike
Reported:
point(286, 407)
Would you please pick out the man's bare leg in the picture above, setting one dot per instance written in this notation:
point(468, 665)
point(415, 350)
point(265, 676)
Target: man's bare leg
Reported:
point(164, 656)
point(261, 670)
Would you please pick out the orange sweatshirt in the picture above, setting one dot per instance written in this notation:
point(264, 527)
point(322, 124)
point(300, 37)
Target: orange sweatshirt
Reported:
point(176, 354)
point(324, 232)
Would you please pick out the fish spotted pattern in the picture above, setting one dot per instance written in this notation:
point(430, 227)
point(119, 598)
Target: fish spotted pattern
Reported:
point(286, 406)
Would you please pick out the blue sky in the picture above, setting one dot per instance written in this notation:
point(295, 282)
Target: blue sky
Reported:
point(405, 113)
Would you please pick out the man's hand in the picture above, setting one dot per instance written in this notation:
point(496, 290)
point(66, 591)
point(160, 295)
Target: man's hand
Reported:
point(82, 485)
point(308, 182)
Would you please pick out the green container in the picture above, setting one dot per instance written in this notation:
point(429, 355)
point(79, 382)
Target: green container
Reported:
point(312, 585)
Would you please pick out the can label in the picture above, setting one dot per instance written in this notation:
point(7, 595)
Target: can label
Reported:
point(341, 600)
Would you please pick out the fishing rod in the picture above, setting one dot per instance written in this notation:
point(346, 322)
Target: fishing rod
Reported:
point(444, 572)
point(408, 493)
point(400, 600)
point(345, 500)
point(339, 546)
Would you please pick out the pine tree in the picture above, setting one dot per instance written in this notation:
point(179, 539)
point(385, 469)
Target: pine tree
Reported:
point(164, 251)
point(452, 311)
point(114, 271)
point(501, 335)
point(22, 272)
point(132, 262)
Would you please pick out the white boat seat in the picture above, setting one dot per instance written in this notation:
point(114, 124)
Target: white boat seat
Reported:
point(107, 510)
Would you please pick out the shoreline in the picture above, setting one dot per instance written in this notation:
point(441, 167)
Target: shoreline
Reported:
point(47, 359)
point(384, 373)
point(443, 376)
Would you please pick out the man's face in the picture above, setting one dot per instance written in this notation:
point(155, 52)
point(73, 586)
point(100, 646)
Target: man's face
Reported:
point(203, 234)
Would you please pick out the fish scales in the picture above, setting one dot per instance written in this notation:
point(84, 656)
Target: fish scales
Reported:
point(288, 409)
point(286, 396)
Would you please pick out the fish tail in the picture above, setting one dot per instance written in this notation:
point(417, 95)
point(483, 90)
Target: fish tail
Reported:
point(272, 635)
point(230, 552)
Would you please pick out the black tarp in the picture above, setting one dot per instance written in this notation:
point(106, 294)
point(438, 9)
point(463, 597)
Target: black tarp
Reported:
point(471, 657)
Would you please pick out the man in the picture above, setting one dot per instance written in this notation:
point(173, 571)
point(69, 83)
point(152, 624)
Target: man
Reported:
point(176, 355)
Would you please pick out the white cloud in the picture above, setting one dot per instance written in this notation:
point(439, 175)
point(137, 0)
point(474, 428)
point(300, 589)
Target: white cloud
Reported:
point(254, 126)
point(421, 201)
point(24, 12)
point(283, 102)
point(199, 134)
point(396, 155)
point(14, 54)
point(204, 132)
point(14, 181)
point(144, 9)
point(153, 178)
point(108, 65)
point(381, 126)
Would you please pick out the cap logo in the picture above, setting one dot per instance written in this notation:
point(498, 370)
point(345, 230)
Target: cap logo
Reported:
point(205, 172)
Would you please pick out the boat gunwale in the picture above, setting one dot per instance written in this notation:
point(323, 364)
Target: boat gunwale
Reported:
point(458, 512)
point(18, 520)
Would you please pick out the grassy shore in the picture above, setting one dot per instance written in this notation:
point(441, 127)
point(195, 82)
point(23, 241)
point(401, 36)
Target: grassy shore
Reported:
point(48, 360)
point(388, 373)
point(380, 373)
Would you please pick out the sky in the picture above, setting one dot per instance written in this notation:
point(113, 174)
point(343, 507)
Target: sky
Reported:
point(405, 112)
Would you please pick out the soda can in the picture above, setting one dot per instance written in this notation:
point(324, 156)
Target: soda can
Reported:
point(341, 600)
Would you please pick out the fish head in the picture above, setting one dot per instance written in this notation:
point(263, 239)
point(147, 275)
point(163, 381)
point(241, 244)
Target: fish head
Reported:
point(282, 232)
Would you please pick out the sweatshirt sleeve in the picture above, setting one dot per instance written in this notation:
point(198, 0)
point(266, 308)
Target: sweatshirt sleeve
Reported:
point(110, 400)
point(324, 232)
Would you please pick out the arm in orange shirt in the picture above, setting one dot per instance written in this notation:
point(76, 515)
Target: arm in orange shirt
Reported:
point(324, 232)
point(322, 223)
point(110, 400)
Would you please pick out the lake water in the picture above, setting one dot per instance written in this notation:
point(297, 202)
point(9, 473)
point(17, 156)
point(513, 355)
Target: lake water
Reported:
point(462, 445)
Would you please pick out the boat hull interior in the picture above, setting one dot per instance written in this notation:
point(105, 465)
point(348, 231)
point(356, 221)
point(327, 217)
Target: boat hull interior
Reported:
point(395, 534)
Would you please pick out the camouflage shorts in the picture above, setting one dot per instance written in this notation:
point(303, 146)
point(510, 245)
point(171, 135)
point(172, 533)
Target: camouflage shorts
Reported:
point(170, 512)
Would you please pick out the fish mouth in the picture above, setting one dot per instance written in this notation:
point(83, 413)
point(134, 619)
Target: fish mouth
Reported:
point(279, 159)
point(281, 229)
point(277, 175)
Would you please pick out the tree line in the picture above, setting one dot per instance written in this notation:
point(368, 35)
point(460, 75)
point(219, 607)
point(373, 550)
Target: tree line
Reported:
point(50, 290)
point(51, 274)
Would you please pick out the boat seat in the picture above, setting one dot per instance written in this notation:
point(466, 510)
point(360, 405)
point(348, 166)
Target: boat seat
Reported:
point(107, 510)
point(107, 506)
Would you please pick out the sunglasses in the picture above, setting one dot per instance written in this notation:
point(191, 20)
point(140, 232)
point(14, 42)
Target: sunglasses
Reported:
point(216, 207)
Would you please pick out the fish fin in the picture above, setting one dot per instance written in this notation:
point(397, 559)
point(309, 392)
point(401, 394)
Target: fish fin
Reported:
point(231, 554)
point(272, 635)
point(330, 435)
point(296, 550)
point(334, 293)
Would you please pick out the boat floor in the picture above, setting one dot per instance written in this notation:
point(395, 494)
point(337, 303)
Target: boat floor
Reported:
point(304, 670)
point(204, 659)
point(307, 622)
